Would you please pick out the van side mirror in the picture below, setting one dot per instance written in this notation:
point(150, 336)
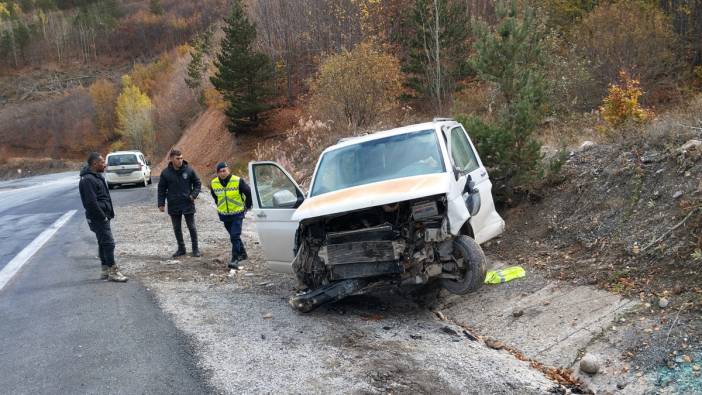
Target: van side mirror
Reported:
point(148, 163)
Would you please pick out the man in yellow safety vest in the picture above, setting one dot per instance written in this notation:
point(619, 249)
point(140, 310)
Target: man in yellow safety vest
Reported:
point(233, 197)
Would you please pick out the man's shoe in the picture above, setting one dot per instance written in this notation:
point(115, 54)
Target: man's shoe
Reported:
point(233, 265)
point(115, 275)
point(104, 274)
point(180, 252)
point(196, 253)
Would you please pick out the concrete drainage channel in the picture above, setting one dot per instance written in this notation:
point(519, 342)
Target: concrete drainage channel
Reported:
point(500, 340)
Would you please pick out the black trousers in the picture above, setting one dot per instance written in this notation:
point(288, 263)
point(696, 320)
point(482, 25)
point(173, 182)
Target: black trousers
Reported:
point(177, 219)
point(106, 243)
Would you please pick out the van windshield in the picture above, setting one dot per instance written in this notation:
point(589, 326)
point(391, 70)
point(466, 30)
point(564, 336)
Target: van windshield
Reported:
point(123, 159)
point(404, 155)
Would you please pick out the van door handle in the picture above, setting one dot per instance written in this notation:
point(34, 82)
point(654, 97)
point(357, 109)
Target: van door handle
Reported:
point(483, 174)
point(261, 215)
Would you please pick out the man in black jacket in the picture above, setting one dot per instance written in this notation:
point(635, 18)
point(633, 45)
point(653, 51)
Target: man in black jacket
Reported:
point(180, 185)
point(98, 210)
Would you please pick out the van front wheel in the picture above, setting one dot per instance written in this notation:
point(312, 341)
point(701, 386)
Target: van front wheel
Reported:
point(471, 266)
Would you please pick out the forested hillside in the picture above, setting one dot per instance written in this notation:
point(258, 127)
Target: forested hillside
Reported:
point(528, 73)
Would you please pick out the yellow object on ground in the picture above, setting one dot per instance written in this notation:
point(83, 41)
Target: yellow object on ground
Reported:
point(504, 275)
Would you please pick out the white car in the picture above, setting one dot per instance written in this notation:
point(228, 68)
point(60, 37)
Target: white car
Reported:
point(127, 167)
point(405, 206)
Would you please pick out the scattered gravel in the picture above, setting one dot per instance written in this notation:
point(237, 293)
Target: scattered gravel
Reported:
point(250, 340)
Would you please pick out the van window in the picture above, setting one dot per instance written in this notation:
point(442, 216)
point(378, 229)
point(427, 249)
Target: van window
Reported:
point(122, 159)
point(461, 151)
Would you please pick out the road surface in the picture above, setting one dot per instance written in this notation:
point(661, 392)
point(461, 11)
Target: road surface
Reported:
point(62, 329)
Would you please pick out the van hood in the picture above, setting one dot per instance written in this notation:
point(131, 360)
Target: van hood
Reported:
point(371, 195)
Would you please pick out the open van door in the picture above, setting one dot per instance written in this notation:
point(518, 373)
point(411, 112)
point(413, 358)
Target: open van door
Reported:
point(276, 196)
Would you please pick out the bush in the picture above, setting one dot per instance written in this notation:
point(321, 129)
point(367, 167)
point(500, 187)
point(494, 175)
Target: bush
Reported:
point(622, 102)
point(356, 87)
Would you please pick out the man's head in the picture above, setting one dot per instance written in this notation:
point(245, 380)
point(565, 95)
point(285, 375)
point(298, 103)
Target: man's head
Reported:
point(176, 158)
point(222, 170)
point(96, 162)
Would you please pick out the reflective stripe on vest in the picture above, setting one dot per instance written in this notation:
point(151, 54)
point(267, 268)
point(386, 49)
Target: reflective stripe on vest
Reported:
point(229, 200)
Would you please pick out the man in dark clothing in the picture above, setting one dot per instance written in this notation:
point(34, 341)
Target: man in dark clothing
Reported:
point(180, 185)
point(233, 197)
point(98, 211)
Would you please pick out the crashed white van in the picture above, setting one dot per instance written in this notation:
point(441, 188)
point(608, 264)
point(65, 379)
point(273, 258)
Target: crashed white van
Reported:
point(404, 206)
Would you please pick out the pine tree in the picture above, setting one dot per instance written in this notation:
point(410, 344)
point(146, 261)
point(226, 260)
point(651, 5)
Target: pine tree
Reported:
point(511, 57)
point(156, 7)
point(196, 67)
point(243, 75)
point(437, 52)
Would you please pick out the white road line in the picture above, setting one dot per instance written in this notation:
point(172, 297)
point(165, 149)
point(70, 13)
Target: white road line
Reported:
point(23, 257)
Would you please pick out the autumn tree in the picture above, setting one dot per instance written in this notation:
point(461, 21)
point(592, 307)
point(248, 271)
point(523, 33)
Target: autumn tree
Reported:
point(243, 75)
point(510, 56)
point(134, 118)
point(356, 86)
point(437, 50)
point(104, 95)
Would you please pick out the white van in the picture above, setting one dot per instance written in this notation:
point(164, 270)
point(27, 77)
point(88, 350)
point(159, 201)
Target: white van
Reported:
point(127, 167)
point(407, 206)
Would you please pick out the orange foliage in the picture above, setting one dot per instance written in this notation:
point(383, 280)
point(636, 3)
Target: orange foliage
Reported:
point(622, 102)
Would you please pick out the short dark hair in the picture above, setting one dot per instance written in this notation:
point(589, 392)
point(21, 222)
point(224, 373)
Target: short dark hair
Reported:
point(93, 157)
point(174, 152)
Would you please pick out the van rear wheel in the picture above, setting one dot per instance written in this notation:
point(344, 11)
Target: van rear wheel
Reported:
point(471, 263)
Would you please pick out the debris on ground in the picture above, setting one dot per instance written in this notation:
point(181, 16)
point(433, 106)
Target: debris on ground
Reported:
point(504, 275)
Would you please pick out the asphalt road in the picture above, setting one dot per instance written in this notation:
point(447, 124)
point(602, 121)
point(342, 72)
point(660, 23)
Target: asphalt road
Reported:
point(62, 330)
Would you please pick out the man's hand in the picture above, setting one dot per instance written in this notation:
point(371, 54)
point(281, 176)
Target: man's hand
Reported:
point(161, 208)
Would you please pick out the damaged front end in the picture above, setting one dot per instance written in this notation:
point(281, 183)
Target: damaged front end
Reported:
point(402, 243)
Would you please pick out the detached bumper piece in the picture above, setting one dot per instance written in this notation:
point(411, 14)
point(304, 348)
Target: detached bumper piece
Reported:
point(309, 301)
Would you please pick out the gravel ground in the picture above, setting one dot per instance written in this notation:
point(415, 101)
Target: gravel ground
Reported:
point(251, 341)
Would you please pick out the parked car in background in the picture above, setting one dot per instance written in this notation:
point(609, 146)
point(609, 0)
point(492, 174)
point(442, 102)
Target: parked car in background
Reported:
point(127, 167)
point(406, 206)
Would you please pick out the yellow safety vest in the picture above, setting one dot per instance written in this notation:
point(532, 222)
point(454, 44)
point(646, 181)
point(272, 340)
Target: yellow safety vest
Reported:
point(229, 200)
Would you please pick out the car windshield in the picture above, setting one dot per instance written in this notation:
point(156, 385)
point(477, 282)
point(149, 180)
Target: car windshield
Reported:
point(125, 159)
point(404, 155)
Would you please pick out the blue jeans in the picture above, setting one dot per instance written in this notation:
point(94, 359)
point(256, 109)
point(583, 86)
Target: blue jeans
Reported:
point(233, 225)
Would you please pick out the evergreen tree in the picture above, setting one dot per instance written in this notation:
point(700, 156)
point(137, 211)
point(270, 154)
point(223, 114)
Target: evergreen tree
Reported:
point(243, 75)
point(196, 67)
point(511, 56)
point(156, 7)
point(437, 51)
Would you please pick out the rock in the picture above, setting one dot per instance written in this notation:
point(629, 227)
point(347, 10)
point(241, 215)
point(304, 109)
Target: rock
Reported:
point(589, 364)
point(586, 145)
point(416, 337)
point(691, 145)
point(494, 343)
point(677, 194)
point(696, 368)
point(620, 386)
point(686, 359)
point(663, 303)
point(449, 331)
point(217, 261)
point(267, 316)
point(517, 313)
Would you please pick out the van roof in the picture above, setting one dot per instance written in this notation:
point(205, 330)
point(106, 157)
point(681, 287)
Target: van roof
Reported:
point(125, 152)
point(437, 122)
